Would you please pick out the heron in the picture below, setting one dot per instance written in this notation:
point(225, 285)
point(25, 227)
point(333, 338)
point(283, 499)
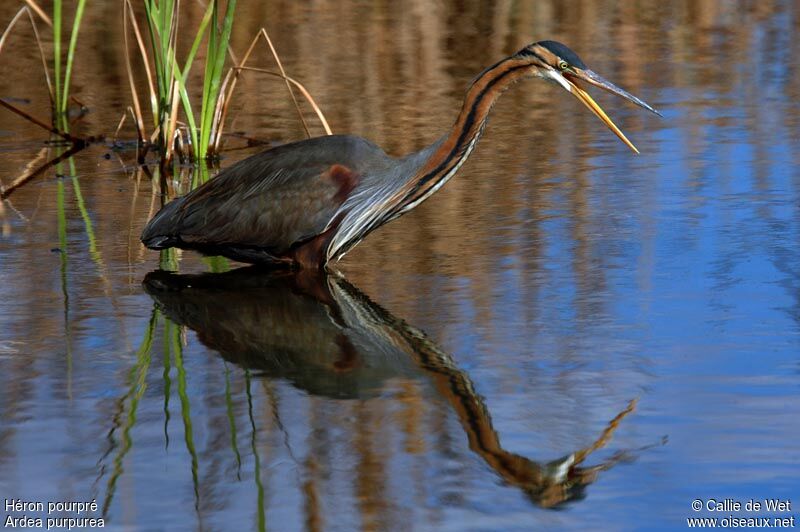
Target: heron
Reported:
point(306, 203)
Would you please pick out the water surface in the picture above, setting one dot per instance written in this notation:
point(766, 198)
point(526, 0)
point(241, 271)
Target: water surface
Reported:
point(463, 362)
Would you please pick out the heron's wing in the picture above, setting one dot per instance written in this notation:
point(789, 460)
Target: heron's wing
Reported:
point(272, 200)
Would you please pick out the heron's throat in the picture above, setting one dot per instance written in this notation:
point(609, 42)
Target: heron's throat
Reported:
point(451, 151)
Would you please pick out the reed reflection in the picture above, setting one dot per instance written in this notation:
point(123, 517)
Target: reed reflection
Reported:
point(329, 339)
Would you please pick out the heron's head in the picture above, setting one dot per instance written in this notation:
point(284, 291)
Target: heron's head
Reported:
point(555, 62)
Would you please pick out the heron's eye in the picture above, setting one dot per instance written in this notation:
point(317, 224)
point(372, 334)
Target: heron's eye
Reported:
point(563, 65)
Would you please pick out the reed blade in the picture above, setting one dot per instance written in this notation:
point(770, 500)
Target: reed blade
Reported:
point(73, 41)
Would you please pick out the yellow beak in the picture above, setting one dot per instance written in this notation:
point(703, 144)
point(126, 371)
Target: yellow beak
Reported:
point(566, 80)
point(589, 102)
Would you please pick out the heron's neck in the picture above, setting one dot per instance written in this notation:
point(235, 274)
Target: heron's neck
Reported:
point(449, 153)
point(423, 173)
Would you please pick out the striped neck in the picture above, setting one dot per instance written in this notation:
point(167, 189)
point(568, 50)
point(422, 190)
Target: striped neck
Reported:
point(423, 173)
point(451, 151)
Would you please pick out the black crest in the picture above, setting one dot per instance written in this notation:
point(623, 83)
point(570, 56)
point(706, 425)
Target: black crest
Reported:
point(564, 53)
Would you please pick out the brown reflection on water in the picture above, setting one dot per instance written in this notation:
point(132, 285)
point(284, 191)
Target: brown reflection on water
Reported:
point(329, 339)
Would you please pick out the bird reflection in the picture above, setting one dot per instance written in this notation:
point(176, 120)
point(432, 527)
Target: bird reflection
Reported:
point(329, 339)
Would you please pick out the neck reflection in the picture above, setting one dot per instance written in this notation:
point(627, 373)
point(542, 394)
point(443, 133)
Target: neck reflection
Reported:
point(328, 339)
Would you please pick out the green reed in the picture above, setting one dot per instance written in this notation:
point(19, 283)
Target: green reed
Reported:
point(218, 41)
point(61, 215)
point(172, 336)
point(198, 135)
point(61, 93)
point(88, 227)
point(232, 421)
point(58, 89)
point(167, 391)
point(262, 521)
point(137, 377)
point(138, 384)
point(170, 88)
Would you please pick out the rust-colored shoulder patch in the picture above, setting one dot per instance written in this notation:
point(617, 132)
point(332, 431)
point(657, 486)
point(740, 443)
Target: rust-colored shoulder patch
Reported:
point(344, 178)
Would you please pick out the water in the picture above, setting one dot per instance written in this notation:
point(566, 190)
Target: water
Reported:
point(462, 356)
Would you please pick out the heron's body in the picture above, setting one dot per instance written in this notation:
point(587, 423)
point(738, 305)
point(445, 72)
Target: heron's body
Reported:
point(305, 203)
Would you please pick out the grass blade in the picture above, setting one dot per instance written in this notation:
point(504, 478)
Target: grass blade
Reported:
point(172, 335)
point(145, 62)
point(201, 30)
point(138, 385)
point(224, 103)
point(73, 40)
point(303, 91)
point(232, 421)
point(215, 63)
point(283, 73)
point(136, 111)
point(187, 109)
point(57, 61)
point(173, 119)
point(7, 32)
point(39, 11)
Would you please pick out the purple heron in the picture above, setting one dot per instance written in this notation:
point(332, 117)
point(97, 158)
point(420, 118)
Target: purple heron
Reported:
point(308, 202)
